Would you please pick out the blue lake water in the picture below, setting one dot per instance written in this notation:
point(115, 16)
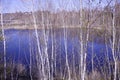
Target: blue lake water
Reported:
point(18, 47)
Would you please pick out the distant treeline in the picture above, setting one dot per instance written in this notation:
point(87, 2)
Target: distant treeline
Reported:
point(94, 17)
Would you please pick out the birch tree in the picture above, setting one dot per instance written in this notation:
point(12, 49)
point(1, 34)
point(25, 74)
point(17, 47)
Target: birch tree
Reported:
point(113, 43)
point(4, 41)
point(40, 62)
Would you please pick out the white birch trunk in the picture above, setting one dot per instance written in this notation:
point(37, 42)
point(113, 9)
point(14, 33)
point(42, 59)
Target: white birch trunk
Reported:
point(40, 64)
point(66, 52)
point(113, 44)
point(82, 73)
point(45, 36)
point(4, 41)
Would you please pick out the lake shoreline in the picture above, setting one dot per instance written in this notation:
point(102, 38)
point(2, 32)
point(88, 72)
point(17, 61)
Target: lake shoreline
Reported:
point(23, 27)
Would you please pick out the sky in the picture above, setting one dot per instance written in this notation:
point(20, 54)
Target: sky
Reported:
point(11, 6)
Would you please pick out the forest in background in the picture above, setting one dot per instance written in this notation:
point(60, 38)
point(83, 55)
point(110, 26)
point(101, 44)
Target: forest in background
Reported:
point(98, 18)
